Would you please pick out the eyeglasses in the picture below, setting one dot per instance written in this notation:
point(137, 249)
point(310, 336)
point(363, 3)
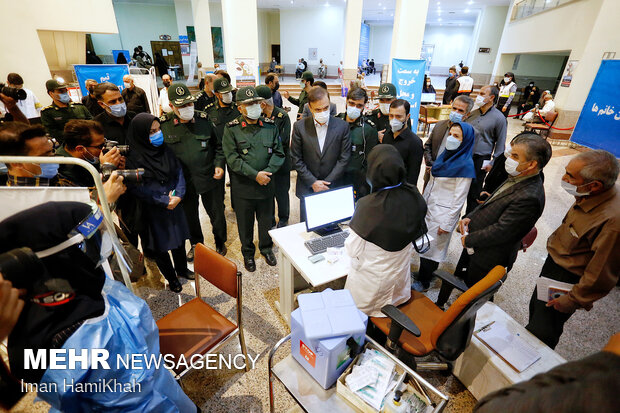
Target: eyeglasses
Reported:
point(98, 146)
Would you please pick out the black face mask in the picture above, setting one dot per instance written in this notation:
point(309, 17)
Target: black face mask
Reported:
point(277, 86)
point(166, 84)
point(91, 90)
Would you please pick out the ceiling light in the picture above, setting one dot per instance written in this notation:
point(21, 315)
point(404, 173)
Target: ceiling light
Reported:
point(383, 7)
point(379, 4)
point(439, 19)
point(438, 3)
point(470, 2)
point(466, 10)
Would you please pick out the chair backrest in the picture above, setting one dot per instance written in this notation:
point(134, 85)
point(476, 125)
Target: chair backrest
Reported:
point(452, 333)
point(529, 239)
point(217, 269)
point(551, 117)
point(423, 113)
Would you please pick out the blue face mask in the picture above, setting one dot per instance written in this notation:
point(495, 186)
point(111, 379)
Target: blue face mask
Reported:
point(452, 143)
point(157, 138)
point(48, 170)
point(64, 98)
point(455, 117)
point(119, 110)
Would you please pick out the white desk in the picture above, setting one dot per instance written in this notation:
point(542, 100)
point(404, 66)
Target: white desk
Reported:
point(482, 371)
point(292, 253)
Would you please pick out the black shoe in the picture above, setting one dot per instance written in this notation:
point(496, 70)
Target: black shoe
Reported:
point(175, 285)
point(271, 259)
point(249, 264)
point(190, 254)
point(187, 274)
point(222, 250)
point(282, 223)
point(420, 286)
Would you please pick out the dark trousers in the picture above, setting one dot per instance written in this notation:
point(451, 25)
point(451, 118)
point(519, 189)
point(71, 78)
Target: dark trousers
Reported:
point(500, 105)
point(282, 182)
point(162, 258)
point(213, 202)
point(468, 271)
point(358, 180)
point(427, 267)
point(547, 323)
point(247, 210)
point(476, 184)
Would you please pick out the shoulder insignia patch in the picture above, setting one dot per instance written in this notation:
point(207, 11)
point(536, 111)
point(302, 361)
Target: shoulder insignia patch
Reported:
point(371, 123)
point(47, 107)
point(203, 115)
point(233, 122)
point(267, 120)
point(163, 118)
point(280, 114)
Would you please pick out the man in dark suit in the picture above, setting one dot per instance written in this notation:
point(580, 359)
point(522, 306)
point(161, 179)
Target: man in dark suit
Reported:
point(320, 148)
point(435, 144)
point(491, 234)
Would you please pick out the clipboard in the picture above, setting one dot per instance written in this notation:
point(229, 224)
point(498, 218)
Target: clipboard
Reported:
point(512, 349)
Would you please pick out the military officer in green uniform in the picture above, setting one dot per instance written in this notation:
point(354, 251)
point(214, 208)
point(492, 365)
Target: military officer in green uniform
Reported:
point(62, 110)
point(380, 117)
point(193, 139)
point(282, 178)
point(253, 153)
point(206, 97)
point(223, 110)
point(364, 137)
point(307, 80)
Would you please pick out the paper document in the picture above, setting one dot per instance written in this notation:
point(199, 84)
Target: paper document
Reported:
point(548, 289)
point(510, 347)
point(486, 163)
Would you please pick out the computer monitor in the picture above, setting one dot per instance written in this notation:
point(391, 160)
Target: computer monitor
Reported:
point(324, 210)
point(428, 97)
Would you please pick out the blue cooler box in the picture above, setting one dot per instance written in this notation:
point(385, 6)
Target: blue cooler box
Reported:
point(320, 329)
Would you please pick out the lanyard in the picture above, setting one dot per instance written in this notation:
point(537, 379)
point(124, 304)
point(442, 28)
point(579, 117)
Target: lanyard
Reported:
point(390, 187)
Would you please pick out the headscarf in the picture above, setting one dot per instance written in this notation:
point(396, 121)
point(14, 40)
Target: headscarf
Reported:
point(392, 216)
point(159, 162)
point(40, 228)
point(458, 163)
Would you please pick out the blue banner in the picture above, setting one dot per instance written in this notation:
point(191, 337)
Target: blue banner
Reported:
point(364, 44)
point(100, 73)
point(408, 77)
point(598, 126)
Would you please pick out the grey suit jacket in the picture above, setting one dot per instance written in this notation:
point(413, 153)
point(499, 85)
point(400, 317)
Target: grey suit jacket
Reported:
point(432, 144)
point(333, 111)
point(498, 226)
point(310, 163)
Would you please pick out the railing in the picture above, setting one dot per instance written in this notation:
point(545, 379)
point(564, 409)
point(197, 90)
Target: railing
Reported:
point(526, 8)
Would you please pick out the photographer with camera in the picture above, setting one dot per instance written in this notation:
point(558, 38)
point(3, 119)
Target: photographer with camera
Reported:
point(18, 139)
point(116, 118)
point(9, 108)
point(27, 102)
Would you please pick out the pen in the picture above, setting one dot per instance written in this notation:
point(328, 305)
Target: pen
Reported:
point(485, 327)
point(173, 193)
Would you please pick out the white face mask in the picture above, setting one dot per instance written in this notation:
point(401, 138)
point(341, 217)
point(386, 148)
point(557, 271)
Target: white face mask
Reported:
point(322, 117)
point(507, 80)
point(452, 143)
point(227, 98)
point(353, 112)
point(384, 108)
point(572, 189)
point(186, 113)
point(479, 101)
point(396, 125)
point(302, 84)
point(253, 111)
point(127, 85)
point(511, 167)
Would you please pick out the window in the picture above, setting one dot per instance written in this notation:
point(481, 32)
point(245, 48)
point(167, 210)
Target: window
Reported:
point(526, 8)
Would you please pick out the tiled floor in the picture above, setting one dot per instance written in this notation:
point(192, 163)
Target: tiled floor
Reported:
point(236, 391)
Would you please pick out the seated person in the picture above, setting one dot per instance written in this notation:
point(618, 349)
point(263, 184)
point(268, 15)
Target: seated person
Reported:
point(530, 99)
point(549, 106)
point(427, 87)
point(385, 224)
point(84, 309)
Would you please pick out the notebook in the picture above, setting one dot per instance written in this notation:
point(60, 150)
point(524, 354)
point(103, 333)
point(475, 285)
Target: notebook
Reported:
point(548, 289)
point(510, 347)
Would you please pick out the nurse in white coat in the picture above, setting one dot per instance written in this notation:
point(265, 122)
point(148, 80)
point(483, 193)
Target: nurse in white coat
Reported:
point(383, 227)
point(445, 194)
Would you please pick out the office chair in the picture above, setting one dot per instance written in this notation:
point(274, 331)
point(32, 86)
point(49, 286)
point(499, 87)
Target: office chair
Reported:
point(419, 328)
point(196, 327)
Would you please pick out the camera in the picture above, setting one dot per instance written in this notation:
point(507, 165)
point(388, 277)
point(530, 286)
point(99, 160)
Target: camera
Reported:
point(131, 176)
point(20, 264)
point(12, 92)
point(123, 149)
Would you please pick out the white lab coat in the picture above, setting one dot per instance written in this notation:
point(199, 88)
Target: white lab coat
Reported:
point(444, 198)
point(377, 277)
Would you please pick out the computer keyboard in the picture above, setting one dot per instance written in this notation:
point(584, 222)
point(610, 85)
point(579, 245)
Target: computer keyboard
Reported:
point(320, 245)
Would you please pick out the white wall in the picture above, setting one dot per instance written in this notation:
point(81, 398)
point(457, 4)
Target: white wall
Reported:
point(20, 47)
point(183, 11)
point(268, 33)
point(138, 24)
point(380, 43)
point(321, 27)
point(539, 65)
point(491, 24)
point(451, 44)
